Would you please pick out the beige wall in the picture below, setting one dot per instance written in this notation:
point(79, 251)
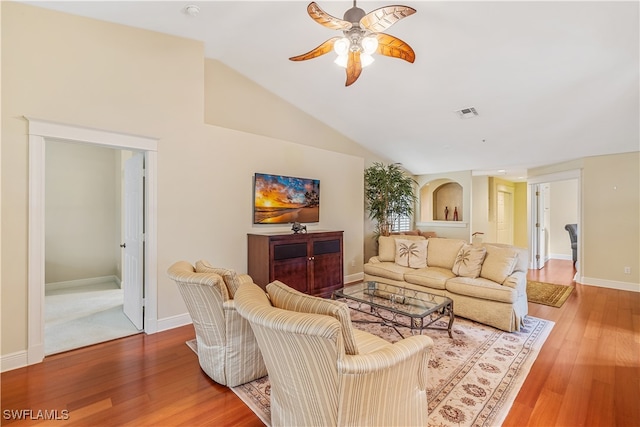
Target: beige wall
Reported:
point(520, 225)
point(483, 219)
point(610, 223)
point(88, 73)
point(611, 218)
point(82, 214)
point(236, 102)
point(480, 210)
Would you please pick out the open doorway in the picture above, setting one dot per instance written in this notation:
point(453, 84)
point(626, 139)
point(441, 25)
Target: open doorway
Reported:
point(40, 134)
point(87, 196)
point(554, 202)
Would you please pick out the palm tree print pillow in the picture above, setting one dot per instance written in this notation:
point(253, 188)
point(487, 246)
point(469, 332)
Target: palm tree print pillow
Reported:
point(411, 253)
point(469, 261)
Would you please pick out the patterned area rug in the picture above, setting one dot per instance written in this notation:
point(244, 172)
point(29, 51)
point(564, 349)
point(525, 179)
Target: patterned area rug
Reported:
point(548, 293)
point(473, 378)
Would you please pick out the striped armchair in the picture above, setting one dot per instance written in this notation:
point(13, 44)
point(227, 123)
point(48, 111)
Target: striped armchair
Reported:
point(227, 349)
point(323, 372)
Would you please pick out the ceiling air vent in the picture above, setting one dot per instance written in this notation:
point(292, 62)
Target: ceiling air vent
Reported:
point(467, 113)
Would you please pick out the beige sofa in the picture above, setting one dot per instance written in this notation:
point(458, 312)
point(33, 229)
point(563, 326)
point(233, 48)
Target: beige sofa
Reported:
point(487, 282)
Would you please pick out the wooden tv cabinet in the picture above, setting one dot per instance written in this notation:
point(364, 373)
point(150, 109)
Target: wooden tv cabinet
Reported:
point(309, 262)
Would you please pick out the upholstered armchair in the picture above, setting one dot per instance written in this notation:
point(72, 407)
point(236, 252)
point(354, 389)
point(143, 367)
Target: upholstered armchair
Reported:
point(227, 349)
point(572, 229)
point(323, 372)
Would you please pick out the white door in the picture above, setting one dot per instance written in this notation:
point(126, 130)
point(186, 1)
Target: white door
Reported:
point(133, 268)
point(504, 217)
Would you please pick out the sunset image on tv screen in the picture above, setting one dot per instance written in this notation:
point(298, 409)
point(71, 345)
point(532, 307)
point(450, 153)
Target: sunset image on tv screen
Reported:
point(284, 199)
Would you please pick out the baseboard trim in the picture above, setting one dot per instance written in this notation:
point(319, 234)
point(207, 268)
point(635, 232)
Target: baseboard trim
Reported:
point(81, 282)
point(611, 284)
point(174, 322)
point(12, 361)
point(357, 277)
point(561, 256)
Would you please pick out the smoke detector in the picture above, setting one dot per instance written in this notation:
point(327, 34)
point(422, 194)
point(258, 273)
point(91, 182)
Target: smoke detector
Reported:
point(467, 113)
point(192, 10)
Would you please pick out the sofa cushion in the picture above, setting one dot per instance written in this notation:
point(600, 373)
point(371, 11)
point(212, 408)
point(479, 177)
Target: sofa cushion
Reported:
point(431, 277)
point(482, 288)
point(388, 270)
point(499, 263)
point(387, 246)
point(411, 253)
point(469, 261)
point(442, 252)
point(229, 276)
point(522, 261)
point(286, 298)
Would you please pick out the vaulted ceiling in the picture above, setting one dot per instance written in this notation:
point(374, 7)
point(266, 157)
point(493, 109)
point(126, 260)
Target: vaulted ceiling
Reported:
point(551, 81)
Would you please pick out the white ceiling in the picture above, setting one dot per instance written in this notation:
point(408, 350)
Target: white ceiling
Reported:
point(551, 81)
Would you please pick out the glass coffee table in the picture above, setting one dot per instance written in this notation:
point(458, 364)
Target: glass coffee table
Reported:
point(399, 306)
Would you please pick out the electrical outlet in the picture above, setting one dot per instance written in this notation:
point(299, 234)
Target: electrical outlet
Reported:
point(353, 263)
point(627, 270)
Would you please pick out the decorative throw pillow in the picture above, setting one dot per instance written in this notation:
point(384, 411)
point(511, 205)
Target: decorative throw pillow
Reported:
point(498, 263)
point(411, 253)
point(229, 276)
point(387, 246)
point(469, 261)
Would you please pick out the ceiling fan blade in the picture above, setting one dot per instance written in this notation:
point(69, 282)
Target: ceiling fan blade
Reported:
point(324, 19)
point(381, 19)
point(325, 47)
point(354, 68)
point(389, 45)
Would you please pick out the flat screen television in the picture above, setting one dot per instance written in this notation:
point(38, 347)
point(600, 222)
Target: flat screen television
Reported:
point(281, 199)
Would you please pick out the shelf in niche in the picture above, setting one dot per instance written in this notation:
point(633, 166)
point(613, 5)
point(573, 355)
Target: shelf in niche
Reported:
point(456, 224)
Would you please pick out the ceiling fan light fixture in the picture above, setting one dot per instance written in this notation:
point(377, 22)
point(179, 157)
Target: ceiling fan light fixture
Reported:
point(341, 46)
point(366, 60)
point(362, 37)
point(369, 45)
point(342, 60)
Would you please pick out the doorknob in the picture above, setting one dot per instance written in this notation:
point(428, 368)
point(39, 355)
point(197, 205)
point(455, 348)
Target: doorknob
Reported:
point(124, 245)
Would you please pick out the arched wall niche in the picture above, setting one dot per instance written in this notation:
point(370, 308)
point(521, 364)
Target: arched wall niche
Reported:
point(439, 199)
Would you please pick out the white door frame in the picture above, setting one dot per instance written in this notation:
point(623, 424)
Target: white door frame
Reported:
point(39, 132)
point(533, 209)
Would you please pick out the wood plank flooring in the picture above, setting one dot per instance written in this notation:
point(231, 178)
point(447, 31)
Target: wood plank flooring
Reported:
point(588, 373)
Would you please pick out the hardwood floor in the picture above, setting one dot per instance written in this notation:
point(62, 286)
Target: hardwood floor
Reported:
point(587, 373)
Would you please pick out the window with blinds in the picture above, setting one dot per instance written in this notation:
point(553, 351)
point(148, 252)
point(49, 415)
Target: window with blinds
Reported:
point(402, 223)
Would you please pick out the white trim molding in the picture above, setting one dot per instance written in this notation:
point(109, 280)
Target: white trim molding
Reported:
point(173, 322)
point(355, 277)
point(13, 361)
point(611, 284)
point(39, 132)
point(455, 224)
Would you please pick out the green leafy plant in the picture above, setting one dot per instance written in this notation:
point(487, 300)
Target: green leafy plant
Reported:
point(389, 194)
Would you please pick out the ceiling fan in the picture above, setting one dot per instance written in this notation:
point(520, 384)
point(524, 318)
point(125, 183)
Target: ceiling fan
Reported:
point(362, 36)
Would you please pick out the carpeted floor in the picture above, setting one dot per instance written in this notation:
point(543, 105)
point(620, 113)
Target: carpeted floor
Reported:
point(473, 378)
point(80, 316)
point(547, 293)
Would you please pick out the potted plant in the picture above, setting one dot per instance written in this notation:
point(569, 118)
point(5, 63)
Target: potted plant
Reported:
point(389, 194)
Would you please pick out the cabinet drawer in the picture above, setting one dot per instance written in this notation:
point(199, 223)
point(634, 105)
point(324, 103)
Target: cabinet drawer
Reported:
point(326, 247)
point(288, 251)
